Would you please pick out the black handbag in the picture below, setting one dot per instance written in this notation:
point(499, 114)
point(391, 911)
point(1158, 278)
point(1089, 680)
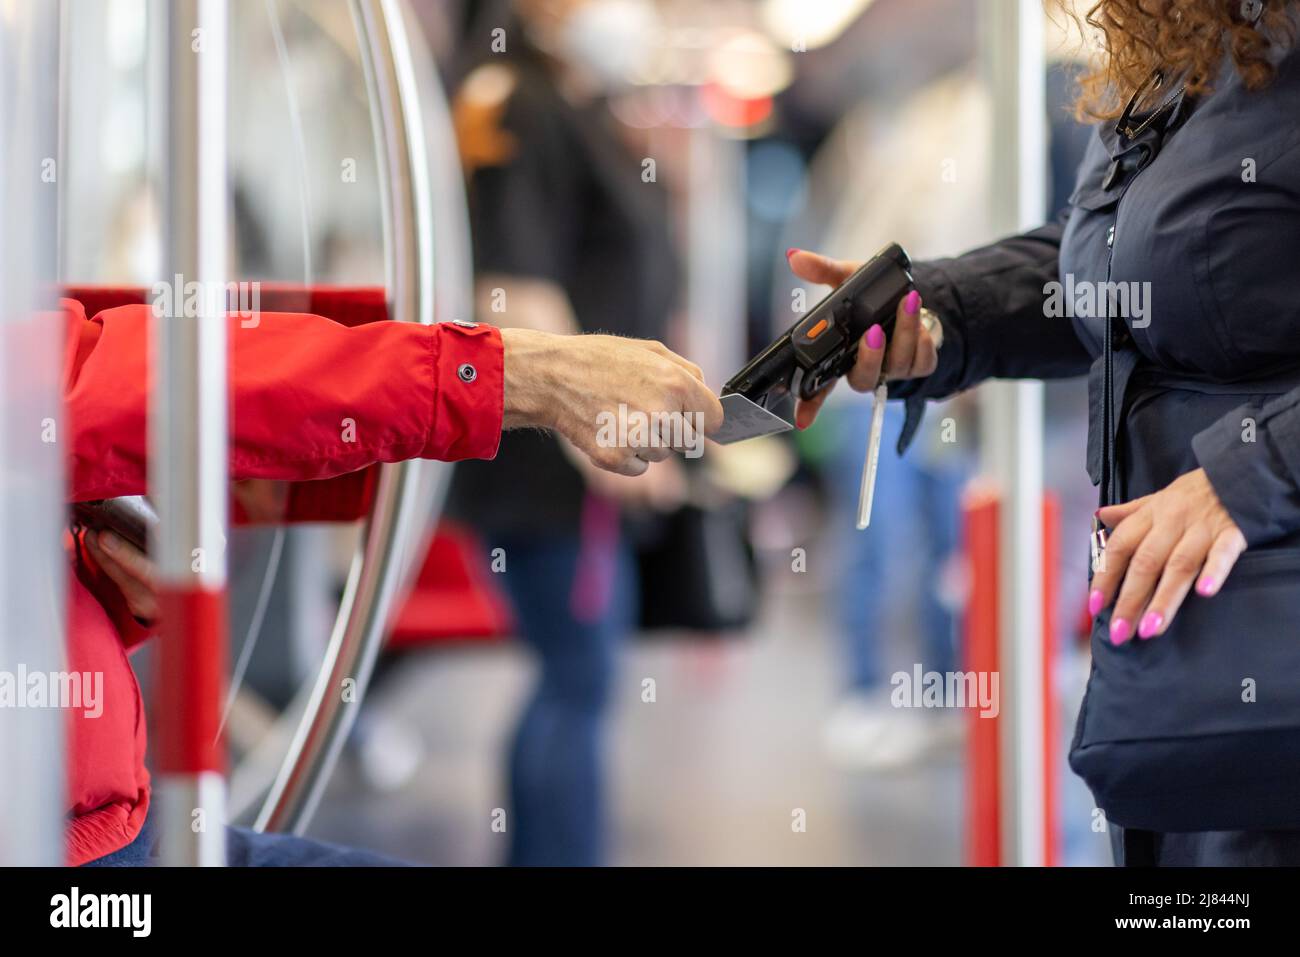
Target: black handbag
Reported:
point(698, 571)
point(1199, 730)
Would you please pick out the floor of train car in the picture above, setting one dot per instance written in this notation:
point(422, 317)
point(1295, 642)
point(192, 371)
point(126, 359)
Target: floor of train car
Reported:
point(708, 774)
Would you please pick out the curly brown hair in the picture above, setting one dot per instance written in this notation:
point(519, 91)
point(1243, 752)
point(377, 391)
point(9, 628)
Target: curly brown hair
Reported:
point(1185, 38)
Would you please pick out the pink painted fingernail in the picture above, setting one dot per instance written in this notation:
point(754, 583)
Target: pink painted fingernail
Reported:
point(913, 303)
point(1120, 630)
point(790, 252)
point(876, 337)
point(1150, 624)
point(1206, 586)
point(108, 541)
point(1095, 602)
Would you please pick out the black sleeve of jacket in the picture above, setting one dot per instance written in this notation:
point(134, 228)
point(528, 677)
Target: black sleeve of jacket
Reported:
point(990, 302)
point(1252, 458)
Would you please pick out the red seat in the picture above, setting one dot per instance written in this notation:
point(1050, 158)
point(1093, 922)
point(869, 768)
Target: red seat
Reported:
point(455, 597)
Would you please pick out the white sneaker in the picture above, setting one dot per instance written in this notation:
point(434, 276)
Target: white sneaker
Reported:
point(389, 752)
point(868, 733)
point(947, 729)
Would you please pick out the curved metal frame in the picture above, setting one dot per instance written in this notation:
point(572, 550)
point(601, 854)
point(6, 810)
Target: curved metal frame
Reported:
point(408, 492)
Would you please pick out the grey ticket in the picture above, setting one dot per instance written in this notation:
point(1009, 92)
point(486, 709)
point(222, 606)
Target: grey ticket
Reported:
point(744, 419)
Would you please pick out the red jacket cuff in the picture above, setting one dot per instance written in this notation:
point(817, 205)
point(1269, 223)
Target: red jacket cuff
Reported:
point(469, 398)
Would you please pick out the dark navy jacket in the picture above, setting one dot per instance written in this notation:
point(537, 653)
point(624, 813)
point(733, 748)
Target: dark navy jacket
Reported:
point(1207, 211)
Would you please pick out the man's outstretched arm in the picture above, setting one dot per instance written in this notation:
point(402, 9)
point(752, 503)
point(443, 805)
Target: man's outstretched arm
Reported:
point(313, 399)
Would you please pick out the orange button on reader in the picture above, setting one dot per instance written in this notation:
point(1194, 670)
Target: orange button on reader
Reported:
point(816, 330)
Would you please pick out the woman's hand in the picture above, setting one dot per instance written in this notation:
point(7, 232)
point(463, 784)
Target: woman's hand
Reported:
point(130, 569)
point(1160, 544)
point(911, 354)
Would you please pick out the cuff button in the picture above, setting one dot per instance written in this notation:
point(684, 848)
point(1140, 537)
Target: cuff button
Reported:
point(467, 373)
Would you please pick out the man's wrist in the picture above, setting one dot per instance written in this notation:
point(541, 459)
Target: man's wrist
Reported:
point(527, 357)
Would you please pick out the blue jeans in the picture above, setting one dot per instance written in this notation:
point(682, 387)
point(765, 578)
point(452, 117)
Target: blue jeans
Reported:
point(915, 515)
point(557, 787)
point(245, 848)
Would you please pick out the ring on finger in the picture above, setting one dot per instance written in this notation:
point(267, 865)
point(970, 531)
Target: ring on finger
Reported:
point(932, 326)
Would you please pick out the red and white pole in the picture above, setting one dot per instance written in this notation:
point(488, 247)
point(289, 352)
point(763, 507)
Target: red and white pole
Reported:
point(188, 435)
point(993, 808)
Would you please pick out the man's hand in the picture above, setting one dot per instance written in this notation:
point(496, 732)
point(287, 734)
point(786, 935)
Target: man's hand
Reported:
point(129, 568)
point(911, 354)
point(575, 384)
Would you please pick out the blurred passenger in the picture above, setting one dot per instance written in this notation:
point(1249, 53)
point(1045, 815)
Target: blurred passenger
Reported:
point(931, 211)
point(567, 237)
point(917, 500)
point(917, 496)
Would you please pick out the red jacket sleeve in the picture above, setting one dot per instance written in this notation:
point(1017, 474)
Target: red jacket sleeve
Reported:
point(310, 398)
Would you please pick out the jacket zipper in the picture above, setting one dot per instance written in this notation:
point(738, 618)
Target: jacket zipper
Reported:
point(1109, 469)
point(1108, 378)
point(1097, 541)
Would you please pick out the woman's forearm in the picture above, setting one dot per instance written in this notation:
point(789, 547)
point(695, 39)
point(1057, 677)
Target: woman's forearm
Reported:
point(991, 302)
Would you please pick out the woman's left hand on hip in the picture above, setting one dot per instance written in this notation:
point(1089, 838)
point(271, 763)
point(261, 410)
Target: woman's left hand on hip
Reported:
point(1160, 545)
